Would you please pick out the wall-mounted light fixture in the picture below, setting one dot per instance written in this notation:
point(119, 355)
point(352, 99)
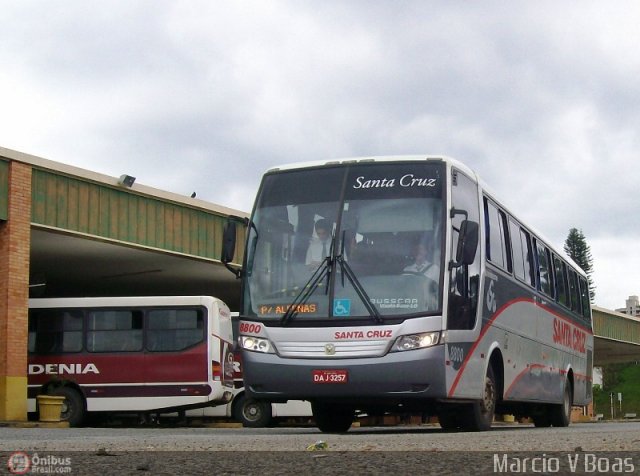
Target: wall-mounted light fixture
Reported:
point(126, 180)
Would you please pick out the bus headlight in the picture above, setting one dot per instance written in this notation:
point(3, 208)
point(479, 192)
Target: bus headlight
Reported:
point(256, 344)
point(416, 341)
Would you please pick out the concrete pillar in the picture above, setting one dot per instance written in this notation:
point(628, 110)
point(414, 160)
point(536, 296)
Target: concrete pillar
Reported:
point(15, 242)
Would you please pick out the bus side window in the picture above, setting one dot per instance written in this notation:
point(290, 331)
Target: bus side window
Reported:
point(497, 236)
point(114, 331)
point(562, 291)
point(585, 297)
point(574, 291)
point(545, 278)
point(465, 279)
point(170, 330)
point(55, 331)
point(517, 251)
point(522, 255)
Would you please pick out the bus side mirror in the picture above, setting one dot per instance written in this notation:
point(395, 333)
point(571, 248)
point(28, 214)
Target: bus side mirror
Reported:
point(229, 246)
point(228, 242)
point(467, 244)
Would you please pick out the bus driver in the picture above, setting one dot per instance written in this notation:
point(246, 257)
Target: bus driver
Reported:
point(421, 264)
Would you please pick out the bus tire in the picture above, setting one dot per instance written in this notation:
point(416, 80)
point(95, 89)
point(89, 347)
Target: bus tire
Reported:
point(252, 413)
point(332, 418)
point(448, 419)
point(73, 408)
point(479, 416)
point(560, 415)
point(541, 420)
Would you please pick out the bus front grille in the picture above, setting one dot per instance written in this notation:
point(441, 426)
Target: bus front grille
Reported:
point(346, 349)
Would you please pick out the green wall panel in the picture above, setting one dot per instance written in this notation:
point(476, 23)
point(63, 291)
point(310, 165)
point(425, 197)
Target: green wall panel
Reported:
point(96, 209)
point(616, 327)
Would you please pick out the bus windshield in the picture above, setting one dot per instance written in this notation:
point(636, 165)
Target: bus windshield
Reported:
point(346, 242)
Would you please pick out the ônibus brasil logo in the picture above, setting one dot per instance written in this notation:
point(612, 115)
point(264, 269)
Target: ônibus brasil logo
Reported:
point(19, 463)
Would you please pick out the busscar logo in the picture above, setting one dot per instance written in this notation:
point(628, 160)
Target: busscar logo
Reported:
point(329, 349)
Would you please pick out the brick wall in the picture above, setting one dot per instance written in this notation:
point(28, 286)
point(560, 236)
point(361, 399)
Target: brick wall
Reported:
point(15, 237)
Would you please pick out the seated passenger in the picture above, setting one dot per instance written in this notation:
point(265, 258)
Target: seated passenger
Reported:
point(320, 245)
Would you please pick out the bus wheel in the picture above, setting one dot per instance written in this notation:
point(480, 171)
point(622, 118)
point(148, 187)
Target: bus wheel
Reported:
point(73, 409)
point(252, 413)
point(480, 414)
point(560, 415)
point(448, 419)
point(541, 420)
point(332, 418)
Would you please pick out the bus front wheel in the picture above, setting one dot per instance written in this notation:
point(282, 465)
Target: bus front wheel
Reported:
point(331, 418)
point(448, 418)
point(252, 413)
point(480, 414)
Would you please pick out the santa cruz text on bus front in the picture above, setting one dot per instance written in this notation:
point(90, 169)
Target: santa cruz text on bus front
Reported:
point(407, 180)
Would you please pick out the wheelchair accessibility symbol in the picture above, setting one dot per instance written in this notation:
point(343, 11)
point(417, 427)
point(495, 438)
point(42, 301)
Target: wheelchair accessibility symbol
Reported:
point(342, 307)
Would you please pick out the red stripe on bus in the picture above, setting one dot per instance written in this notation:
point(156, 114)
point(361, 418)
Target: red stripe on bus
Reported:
point(522, 374)
point(492, 320)
point(477, 342)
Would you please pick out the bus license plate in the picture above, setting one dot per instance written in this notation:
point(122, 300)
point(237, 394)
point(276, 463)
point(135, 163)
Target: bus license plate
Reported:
point(330, 376)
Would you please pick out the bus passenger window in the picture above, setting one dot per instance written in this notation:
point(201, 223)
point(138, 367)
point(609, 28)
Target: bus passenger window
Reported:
point(498, 251)
point(55, 331)
point(522, 257)
point(544, 270)
point(528, 261)
point(574, 291)
point(585, 297)
point(562, 291)
point(114, 331)
point(171, 330)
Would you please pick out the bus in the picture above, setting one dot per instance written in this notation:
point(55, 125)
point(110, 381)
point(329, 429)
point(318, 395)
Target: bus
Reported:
point(433, 297)
point(130, 354)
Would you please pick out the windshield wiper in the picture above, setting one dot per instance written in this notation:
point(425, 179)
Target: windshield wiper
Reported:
point(323, 269)
point(355, 282)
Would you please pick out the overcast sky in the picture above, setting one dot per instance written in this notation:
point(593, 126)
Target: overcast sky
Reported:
point(541, 98)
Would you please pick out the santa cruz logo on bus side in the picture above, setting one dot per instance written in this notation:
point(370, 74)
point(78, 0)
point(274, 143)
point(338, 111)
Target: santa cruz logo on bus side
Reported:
point(569, 336)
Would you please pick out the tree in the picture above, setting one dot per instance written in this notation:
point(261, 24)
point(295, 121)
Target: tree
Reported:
point(578, 250)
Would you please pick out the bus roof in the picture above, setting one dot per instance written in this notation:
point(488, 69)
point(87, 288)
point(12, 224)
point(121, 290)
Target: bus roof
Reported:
point(73, 302)
point(369, 159)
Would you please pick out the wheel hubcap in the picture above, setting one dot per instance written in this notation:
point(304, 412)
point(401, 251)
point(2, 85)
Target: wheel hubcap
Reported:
point(489, 397)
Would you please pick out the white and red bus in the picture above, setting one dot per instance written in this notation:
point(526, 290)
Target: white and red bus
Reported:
point(432, 297)
point(130, 354)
